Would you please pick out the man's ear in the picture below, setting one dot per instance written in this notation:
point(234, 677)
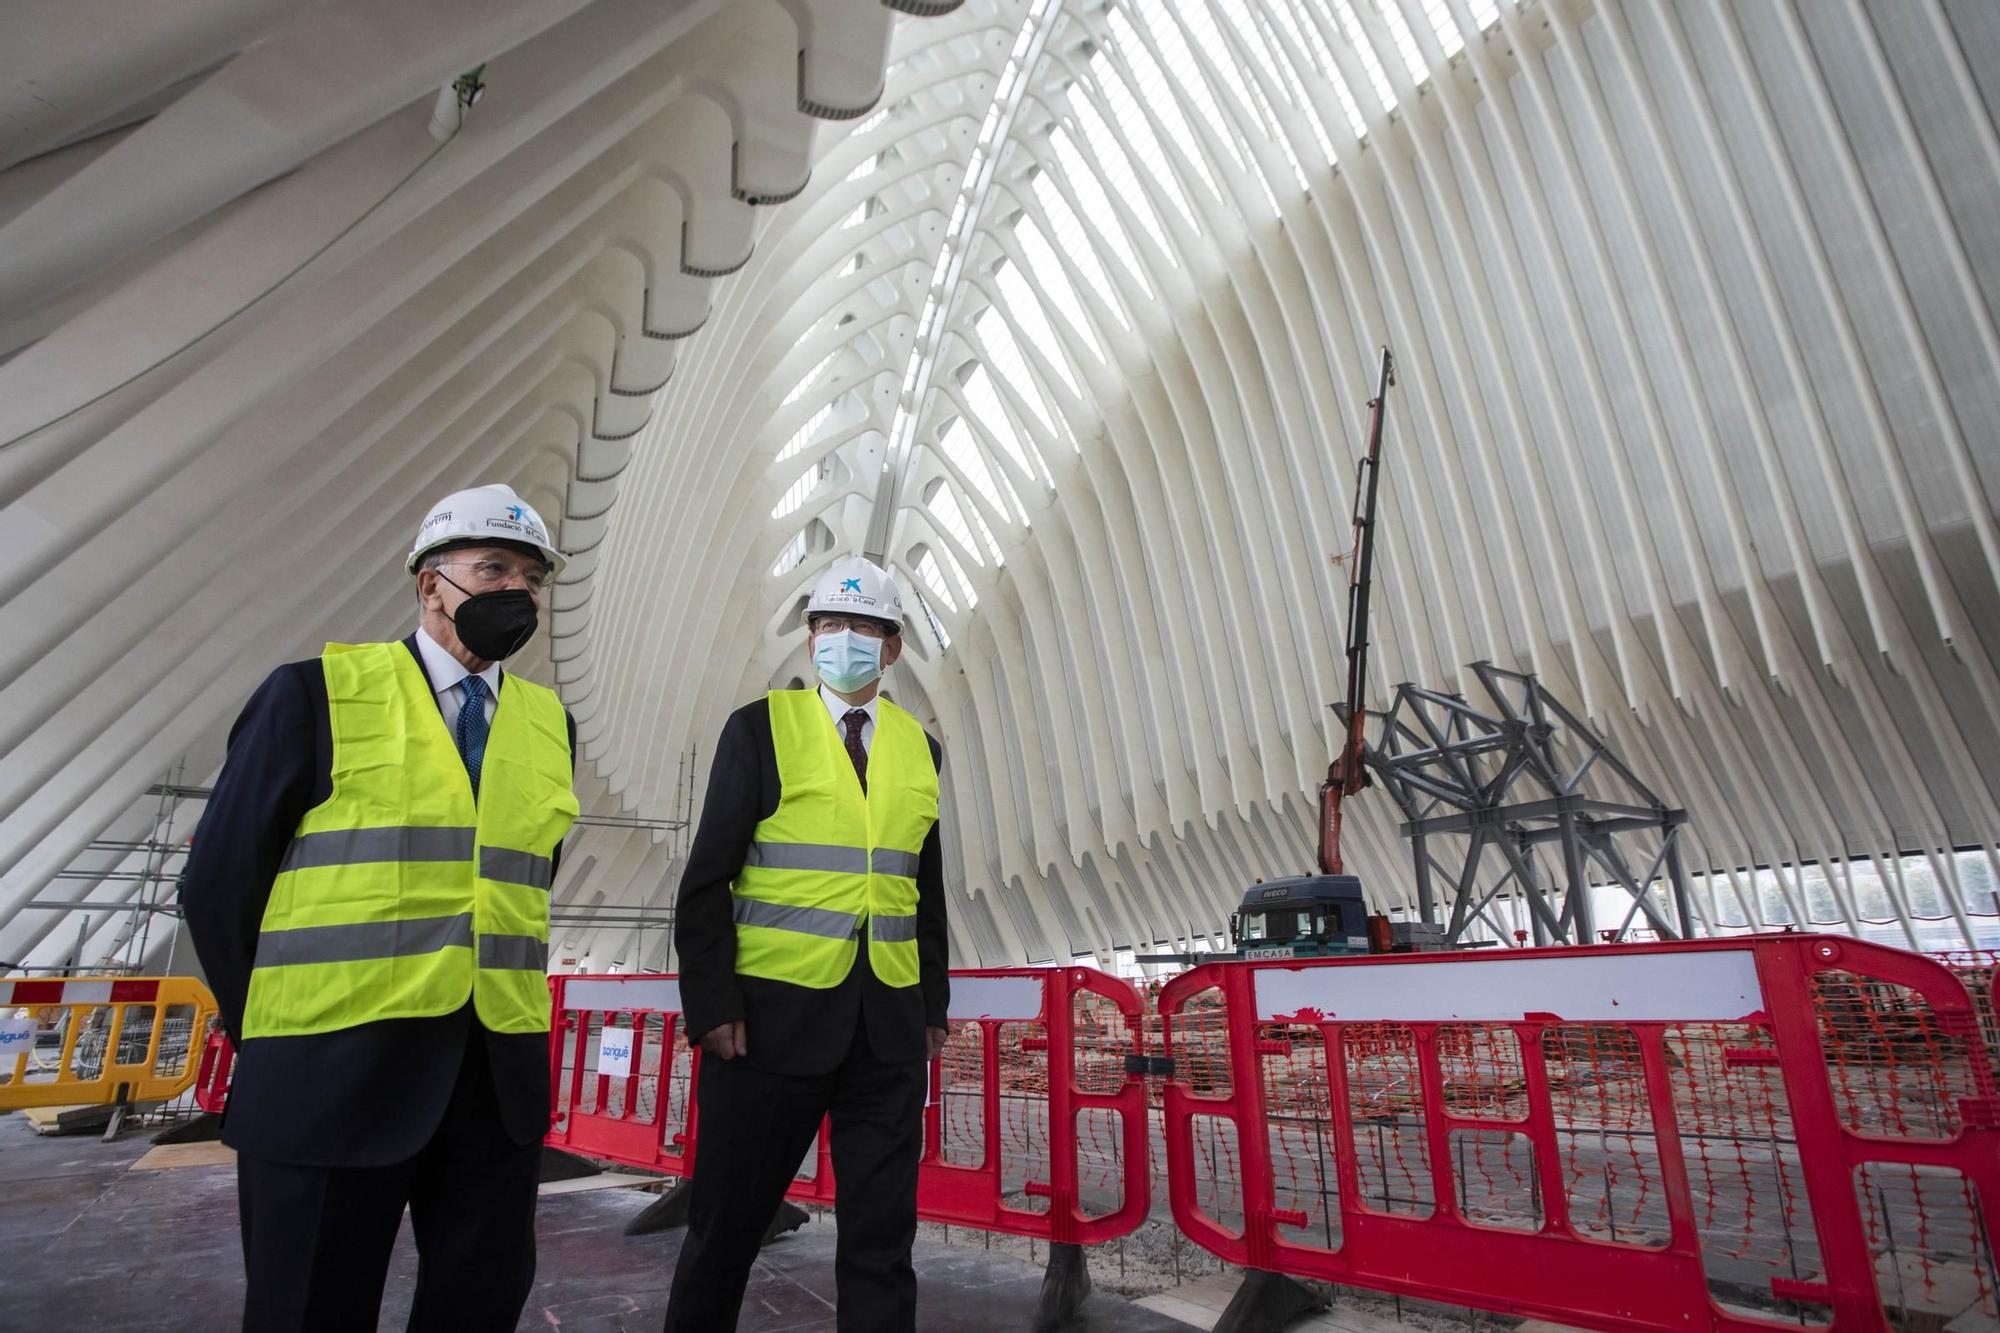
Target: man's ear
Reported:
point(892, 648)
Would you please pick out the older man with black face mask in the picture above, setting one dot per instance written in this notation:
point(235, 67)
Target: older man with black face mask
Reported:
point(368, 892)
point(813, 955)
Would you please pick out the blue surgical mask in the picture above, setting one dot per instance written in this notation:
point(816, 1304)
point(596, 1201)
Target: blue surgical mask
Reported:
point(847, 661)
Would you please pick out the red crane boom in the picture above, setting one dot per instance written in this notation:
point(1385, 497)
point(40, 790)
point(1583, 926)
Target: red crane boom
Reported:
point(1348, 774)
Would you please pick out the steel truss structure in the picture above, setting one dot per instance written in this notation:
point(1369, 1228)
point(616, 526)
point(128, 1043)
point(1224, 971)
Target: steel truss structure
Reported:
point(1498, 788)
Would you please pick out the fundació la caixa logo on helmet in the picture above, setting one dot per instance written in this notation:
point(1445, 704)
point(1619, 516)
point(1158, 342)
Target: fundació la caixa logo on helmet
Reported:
point(517, 520)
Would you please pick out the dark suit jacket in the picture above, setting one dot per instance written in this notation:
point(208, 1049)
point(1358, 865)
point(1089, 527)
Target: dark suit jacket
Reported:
point(370, 1095)
point(792, 1029)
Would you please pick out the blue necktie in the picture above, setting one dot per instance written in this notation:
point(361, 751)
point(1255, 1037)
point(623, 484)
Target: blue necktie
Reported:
point(471, 729)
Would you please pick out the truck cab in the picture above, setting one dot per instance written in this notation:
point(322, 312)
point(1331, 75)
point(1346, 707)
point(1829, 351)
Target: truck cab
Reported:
point(1305, 916)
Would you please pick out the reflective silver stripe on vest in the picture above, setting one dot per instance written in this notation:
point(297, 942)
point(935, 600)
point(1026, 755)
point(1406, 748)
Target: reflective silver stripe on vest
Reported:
point(808, 856)
point(512, 867)
point(364, 940)
point(513, 951)
point(889, 862)
point(804, 920)
point(359, 846)
point(894, 929)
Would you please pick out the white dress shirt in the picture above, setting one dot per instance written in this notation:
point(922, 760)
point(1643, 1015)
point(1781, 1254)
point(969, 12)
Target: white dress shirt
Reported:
point(840, 708)
point(448, 675)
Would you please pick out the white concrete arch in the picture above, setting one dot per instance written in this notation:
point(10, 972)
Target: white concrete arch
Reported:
point(1070, 310)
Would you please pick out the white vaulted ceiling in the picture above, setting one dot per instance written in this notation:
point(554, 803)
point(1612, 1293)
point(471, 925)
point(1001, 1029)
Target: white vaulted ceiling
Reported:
point(1071, 319)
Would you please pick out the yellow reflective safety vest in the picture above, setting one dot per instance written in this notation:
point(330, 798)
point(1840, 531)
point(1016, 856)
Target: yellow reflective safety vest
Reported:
point(832, 861)
point(400, 895)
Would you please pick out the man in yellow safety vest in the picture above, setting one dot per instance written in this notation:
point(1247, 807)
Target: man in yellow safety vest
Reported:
point(813, 957)
point(368, 892)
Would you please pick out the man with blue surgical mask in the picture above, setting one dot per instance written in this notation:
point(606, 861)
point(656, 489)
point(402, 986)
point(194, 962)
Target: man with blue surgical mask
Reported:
point(813, 960)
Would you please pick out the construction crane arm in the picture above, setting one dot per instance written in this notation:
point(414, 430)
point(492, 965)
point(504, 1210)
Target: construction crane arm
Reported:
point(1347, 774)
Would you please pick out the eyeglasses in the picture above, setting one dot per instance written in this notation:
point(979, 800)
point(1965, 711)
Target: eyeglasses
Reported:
point(866, 628)
point(488, 573)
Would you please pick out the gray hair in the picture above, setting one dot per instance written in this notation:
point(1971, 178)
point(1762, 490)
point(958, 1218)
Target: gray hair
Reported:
point(432, 560)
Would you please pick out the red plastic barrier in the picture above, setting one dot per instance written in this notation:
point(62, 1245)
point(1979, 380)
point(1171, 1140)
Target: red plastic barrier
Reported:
point(1041, 1051)
point(211, 1080)
point(643, 1115)
point(1615, 1137)
point(1035, 1067)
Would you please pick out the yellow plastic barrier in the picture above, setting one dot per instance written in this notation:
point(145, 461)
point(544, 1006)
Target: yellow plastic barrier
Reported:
point(99, 1041)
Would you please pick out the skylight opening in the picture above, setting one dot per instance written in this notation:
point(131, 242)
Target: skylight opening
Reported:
point(1201, 27)
point(791, 557)
point(800, 491)
point(803, 436)
point(1358, 37)
point(1249, 90)
point(984, 401)
point(1026, 309)
point(813, 537)
point(1307, 35)
point(1406, 42)
point(931, 619)
point(1139, 133)
point(958, 445)
point(1003, 354)
point(1187, 75)
point(1092, 199)
point(947, 560)
point(1054, 281)
point(943, 503)
point(1439, 13)
point(1070, 236)
point(871, 120)
point(932, 574)
point(811, 378)
point(1153, 87)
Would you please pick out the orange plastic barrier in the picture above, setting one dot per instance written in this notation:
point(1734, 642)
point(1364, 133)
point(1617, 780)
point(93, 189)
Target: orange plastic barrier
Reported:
point(1651, 1137)
point(117, 1040)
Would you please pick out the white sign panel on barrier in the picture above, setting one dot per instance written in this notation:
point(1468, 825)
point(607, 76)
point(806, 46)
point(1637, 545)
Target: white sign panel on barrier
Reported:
point(1015, 998)
point(614, 1052)
point(17, 1037)
point(1706, 987)
point(642, 992)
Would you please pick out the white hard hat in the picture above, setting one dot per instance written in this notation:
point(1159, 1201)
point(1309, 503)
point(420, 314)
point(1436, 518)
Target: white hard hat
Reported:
point(484, 514)
point(854, 586)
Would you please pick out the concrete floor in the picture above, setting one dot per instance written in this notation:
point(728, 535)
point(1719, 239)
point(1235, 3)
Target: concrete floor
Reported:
point(92, 1244)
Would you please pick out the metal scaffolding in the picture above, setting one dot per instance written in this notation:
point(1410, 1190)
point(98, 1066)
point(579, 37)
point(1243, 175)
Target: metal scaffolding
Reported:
point(1488, 791)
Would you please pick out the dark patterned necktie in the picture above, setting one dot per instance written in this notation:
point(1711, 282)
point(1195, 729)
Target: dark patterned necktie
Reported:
point(471, 729)
point(854, 721)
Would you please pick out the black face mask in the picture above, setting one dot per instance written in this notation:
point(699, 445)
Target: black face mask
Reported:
point(494, 625)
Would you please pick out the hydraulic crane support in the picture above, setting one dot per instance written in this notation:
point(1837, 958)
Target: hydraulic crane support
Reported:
point(1348, 774)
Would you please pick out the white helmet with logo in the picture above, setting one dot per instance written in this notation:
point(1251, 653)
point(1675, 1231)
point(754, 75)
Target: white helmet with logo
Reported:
point(855, 586)
point(484, 514)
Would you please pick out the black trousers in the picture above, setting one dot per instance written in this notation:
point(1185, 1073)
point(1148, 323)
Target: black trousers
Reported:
point(754, 1129)
point(316, 1239)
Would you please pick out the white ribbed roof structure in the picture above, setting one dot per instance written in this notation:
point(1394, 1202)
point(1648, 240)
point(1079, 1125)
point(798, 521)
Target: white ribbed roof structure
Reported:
point(1068, 310)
